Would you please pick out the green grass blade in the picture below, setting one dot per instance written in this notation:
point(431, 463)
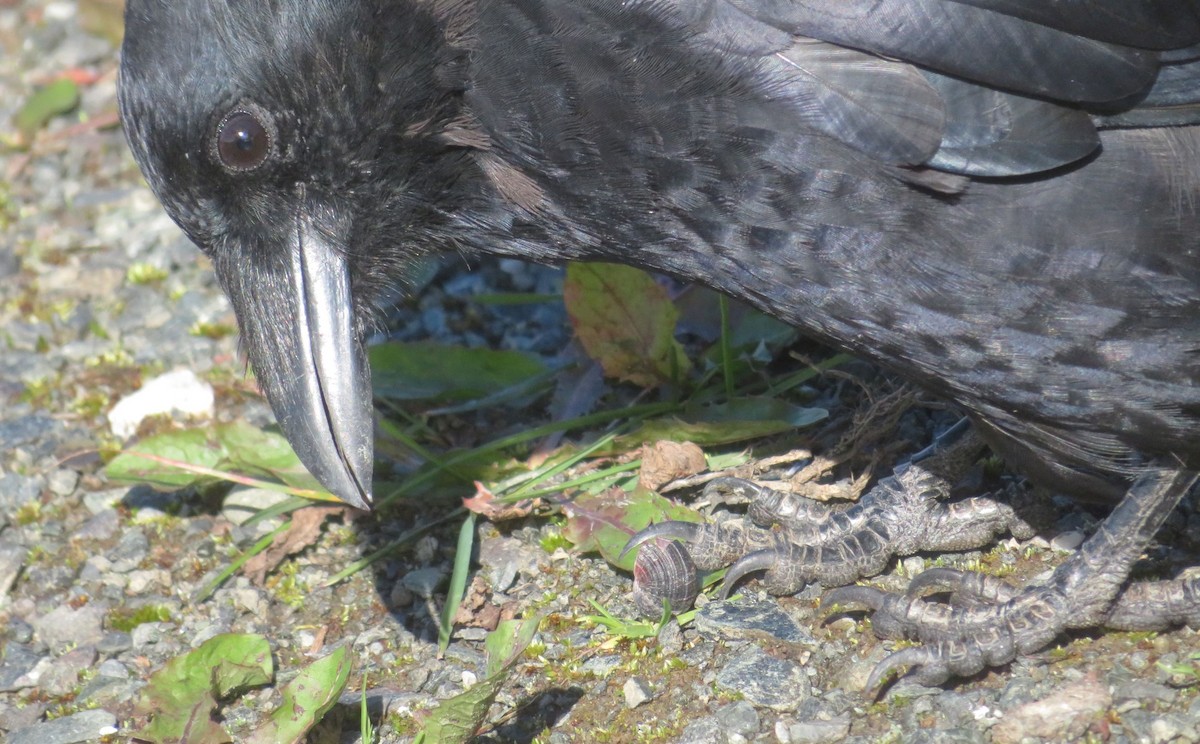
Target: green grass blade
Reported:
point(458, 581)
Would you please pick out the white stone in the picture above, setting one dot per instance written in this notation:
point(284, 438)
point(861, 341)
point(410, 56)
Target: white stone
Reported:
point(179, 391)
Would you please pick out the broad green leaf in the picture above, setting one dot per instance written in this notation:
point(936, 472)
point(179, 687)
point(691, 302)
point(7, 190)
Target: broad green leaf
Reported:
point(56, 98)
point(604, 522)
point(306, 699)
point(456, 720)
point(251, 450)
point(625, 321)
point(507, 642)
point(737, 420)
point(194, 446)
point(235, 447)
point(182, 697)
point(427, 370)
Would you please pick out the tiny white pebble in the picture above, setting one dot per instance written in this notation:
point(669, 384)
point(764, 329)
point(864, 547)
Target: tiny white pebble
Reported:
point(1067, 541)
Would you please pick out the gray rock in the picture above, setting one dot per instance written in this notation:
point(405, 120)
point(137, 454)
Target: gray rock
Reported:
point(149, 634)
point(22, 715)
point(64, 627)
point(958, 735)
point(765, 680)
point(1152, 728)
point(502, 558)
point(1065, 714)
point(98, 501)
point(423, 582)
point(12, 558)
point(670, 638)
point(750, 617)
point(739, 718)
point(62, 482)
point(601, 666)
point(17, 490)
point(114, 642)
point(26, 430)
point(63, 675)
point(113, 669)
point(130, 551)
point(78, 727)
point(1142, 691)
point(100, 526)
point(703, 731)
point(18, 630)
point(243, 503)
point(16, 671)
point(818, 731)
point(636, 691)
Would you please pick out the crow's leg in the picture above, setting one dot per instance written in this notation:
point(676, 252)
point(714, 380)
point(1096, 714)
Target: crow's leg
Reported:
point(991, 623)
point(796, 541)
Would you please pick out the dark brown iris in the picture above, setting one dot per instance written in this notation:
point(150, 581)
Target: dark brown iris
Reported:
point(242, 141)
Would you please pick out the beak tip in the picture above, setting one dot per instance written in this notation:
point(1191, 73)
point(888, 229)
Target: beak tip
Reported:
point(358, 499)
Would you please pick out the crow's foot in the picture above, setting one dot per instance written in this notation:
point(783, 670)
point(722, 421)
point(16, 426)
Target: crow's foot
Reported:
point(988, 622)
point(795, 541)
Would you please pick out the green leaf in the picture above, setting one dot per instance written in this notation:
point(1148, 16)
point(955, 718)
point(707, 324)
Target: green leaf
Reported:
point(427, 370)
point(458, 581)
point(736, 420)
point(235, 447)
point(252, 450)
point(625, 321)
point(56, 98)
point(456, 720)
point(194, 446)
point(604, 522)
point(306, 699)
point(182, 697)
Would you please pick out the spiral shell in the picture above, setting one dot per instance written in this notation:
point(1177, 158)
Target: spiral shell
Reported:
point(664, 570)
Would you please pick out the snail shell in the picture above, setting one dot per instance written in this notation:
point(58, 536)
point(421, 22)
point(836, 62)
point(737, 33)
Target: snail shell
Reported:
point(664, 570)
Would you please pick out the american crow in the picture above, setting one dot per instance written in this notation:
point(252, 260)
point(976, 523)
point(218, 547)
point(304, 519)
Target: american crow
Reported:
point(998, 199)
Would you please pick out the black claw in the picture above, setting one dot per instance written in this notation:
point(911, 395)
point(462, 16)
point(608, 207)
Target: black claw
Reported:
point(759, 560)
point(896, 663)
point(686, 531)
point(941, 579)
point(853, 597)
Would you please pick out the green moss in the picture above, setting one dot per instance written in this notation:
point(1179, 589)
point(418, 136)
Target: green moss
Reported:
point(553, 540)
point(287, 585)
point(125, 619)
point(212, 331)
point(144, 273)
point(28, 513)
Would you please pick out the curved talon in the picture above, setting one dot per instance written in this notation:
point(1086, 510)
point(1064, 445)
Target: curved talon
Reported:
point(853, 597)
point(759, 560)
point(686, 531)
point(914, 656)
point(939, 579)
point(967, 586)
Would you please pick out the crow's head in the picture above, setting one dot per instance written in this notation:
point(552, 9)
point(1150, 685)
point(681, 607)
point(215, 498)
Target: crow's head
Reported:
point(304, 146)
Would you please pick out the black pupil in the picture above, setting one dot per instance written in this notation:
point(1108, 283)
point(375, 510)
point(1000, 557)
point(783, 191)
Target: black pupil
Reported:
point(243, 142)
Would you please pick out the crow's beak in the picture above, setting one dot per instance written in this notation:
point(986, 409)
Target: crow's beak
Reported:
point(298, 327)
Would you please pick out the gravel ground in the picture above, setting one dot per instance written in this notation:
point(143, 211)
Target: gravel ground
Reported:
point(99, 293)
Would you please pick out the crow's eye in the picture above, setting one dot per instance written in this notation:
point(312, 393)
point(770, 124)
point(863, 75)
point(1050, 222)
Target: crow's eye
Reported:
point(243, 142)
